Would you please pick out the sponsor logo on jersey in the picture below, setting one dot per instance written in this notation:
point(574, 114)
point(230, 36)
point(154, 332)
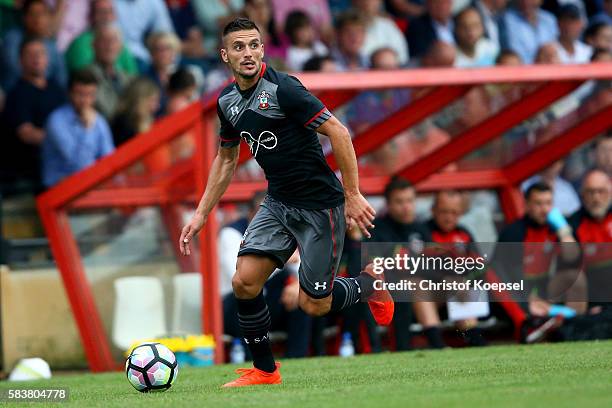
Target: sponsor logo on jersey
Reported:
point(234, 110)
point(320, 285)
point(266, 139)
point(263, 100)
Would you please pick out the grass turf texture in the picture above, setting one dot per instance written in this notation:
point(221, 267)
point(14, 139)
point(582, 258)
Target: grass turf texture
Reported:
point(555, 375)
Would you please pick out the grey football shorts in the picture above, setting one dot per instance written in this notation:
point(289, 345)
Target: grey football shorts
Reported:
point(277, 229)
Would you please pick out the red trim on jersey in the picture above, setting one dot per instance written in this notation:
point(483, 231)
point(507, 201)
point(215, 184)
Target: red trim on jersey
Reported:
point(316, 115)
point(227, 140)
point(263, 69)
point(331, 221)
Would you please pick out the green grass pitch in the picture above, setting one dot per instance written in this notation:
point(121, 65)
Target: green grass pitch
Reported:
point(547, 375)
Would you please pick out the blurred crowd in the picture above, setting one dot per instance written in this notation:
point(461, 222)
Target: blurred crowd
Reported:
point(109, 68)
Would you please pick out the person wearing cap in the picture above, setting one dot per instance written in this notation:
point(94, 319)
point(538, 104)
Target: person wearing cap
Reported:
point(569, 47)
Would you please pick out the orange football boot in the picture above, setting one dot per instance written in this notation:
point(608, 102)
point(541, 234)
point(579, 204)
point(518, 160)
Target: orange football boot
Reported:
point(255, 376)
point(380, 302)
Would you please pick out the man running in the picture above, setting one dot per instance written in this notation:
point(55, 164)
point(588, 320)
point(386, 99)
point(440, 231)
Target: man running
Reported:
point(306, 207)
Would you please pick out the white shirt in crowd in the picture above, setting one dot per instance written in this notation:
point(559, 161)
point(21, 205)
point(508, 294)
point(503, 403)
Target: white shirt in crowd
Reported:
point(486, 52)
point(582, 53)
point(297, 56)
point(382, 32)
point(488, 20)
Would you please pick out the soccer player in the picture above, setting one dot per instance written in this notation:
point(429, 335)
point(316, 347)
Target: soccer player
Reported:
point(306, 206)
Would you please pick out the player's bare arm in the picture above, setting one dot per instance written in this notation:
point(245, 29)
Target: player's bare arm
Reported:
point(221, 173)
point(357, 210)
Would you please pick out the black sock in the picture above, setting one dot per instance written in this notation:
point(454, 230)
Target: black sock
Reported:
point(254, 319)
point(348, 291)
point(475, 338)
point(434, 337)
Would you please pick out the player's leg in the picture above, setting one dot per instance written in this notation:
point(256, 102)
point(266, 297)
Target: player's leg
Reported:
point(320, 236)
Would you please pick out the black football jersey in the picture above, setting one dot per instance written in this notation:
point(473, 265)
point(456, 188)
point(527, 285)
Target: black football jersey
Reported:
point(278, 119)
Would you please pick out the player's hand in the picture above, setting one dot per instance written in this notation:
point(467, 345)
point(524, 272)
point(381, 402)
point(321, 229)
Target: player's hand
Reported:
point(189, 231)
point(359, 212)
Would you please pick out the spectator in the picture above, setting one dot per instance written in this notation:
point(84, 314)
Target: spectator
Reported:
point(139, 18)
point(528, 27)
point(350, 32)
point(77, 135)
point(435, 25)
point(603, 154)
point(36, 23)
point(80, 53)
point(302, 36)
point(212, 15)
point(165, 51)
point(111, 81)
point(321, 64)
point(599, 36)
point(440, 54)
point(281, 290)
point(473, 49)
point(260, 12)
point(381, 31)
point(186, 27)
point(71, 18)
point(318, 11)
point(605, 15)
point(491, 12)
point(564, 195)
point(444, 228)
point(136, 110)
point(571, 50)
point(398, 225)
point(28, 104)
point(181, 90)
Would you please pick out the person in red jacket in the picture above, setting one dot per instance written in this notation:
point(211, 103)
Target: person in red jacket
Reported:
point(444, 227)
point(592, 226)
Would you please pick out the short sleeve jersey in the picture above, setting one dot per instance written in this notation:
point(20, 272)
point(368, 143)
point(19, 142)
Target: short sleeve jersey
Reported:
point(278, 118)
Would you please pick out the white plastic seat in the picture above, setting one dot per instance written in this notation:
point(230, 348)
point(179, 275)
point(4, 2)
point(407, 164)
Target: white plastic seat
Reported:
point(187, 310)
point(139, 310)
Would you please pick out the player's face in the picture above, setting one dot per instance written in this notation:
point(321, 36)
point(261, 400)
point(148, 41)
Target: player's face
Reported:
point(401, 205)
point(539, 205)
point(243, 51)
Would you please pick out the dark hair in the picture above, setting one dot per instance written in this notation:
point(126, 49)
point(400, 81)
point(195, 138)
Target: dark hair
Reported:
point(597, 52)
point(506, 53)
point(27, 41)
point(181, 80)
point(239, 24)
point(83, 77)
point(593, 29)
point(295, 20)
point(601, 139)
point(537, 187)
point(315, 64)
point(27, 4)
point(349, 17)
point(396, 183)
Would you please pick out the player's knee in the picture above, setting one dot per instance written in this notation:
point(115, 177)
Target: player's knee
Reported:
point(315, 307)
point(244, 289)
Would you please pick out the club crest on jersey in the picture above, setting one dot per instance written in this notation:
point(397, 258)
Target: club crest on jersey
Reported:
point(263, 100)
